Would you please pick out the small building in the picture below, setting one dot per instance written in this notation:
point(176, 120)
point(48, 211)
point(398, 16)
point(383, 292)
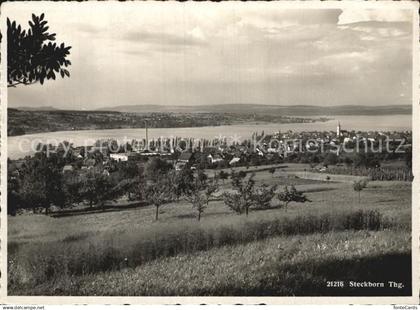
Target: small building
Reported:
point(216, 158)
point(180, 165)
point(259, 152)
point(119, 156)
point(234, 161)
point(67, 169)
point(347, 140)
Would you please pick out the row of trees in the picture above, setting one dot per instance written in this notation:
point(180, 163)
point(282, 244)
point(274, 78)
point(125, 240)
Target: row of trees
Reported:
point(247, 195)
point(198, 189)
point(40, 184)
point(349, 160)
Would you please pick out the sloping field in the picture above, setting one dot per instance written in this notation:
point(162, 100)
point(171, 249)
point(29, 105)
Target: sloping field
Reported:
point(268, 253)
point(281, 266)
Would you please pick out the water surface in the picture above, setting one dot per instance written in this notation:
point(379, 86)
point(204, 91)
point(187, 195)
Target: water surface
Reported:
point(20, 146)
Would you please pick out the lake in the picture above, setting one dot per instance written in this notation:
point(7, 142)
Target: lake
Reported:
point(21, 146)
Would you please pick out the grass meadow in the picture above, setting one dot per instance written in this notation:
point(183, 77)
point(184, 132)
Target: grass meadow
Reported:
point(276, 252)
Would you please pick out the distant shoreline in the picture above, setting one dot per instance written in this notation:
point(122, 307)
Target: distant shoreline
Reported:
point(243, 108)
point(35, 120)
point(22, 123)
point(198, 126)
point(19, 146)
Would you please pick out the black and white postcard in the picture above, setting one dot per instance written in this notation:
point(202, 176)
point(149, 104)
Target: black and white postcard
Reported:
point(209, 152)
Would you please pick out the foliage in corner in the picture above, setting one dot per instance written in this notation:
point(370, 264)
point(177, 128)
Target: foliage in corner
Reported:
point(32, 56)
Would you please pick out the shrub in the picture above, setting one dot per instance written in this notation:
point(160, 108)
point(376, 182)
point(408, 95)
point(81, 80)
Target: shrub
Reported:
point(359, 220)
point(243, 196)
point(292, 195)
point(263, 195)
point(358, 186)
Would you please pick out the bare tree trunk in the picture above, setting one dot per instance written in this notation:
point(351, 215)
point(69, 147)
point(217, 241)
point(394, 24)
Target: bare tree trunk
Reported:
point(157, 213)
point(246, 211)
point(199, 216)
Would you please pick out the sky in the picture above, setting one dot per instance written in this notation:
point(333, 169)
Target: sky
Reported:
point(222, 53)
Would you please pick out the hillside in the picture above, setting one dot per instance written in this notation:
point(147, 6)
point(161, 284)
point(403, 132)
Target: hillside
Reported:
point(27, 122)
point(301, 110)
point(36, 119)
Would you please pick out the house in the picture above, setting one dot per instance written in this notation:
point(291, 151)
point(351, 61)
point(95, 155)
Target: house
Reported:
point(273, 150)
point(213, 159)
point(347, 140)
point(234, 161)
point(259, 152)
point(180, 165)
point(67, 169)
point(119, 156)
point(311, 144)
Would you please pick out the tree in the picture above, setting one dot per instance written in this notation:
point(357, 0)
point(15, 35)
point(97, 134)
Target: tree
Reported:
point(292, 195)
point(47, 169)
point(13, 197)
point(129, 179)
point(234, 201)
point(255, 160)
point(200, 193)
point(358, 186)
point(272, 171)
point(408, 157)
point(155, 168)
point(130, 186)
point(223, 175)
point(367, 160)
point(243, 196)
point(41, 182)
point(32, 56)
point(89, 191)
point(182, 181)
point(330, 159)
point(347, 161)
point(263, 196)
point(73, 191)
point(97, 188)
point(159, 192)
point(202, 176)
point(54, 190)
point(33, 194)
point(241, 174)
